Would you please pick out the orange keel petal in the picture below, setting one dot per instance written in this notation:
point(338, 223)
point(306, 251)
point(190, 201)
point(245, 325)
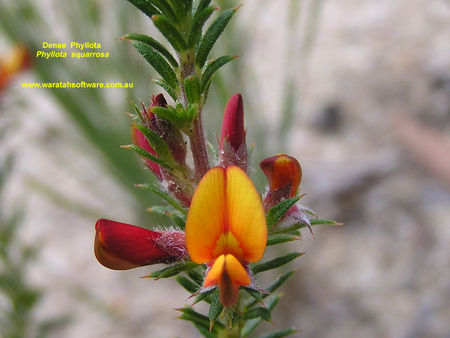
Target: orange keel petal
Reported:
point(229, 274)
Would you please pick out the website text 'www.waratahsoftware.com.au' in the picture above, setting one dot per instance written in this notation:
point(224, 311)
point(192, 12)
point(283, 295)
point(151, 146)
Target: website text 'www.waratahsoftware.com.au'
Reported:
point(81, 84)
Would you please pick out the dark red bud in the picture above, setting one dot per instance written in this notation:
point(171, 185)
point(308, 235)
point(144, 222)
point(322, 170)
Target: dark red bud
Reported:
point(158, 101)
point(233, 148)
point(233, 123)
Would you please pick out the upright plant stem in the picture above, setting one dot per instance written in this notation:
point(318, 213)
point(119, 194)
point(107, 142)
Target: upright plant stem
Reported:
point(198, 147)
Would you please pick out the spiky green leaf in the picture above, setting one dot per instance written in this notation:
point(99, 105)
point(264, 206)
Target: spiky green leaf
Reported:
point(206, 296)
point(213, 67)
point(279, 239)
point(149, 156)
point(215, 310)
point(212, 34)
point(181, 8)
point(165, 9)
point(138, 115)
point(158, 62)
point(163, 84)
point(145, 7)
point(178, 218)
point(252, 324)
point(169, 199)
point(200, 5)
point(170, 115)
point(154, 44)
point(198, 322)
point(318, 221)
point(205, 332)
point(197, 24)
point(272, 288)
point(195, 276)
point(258, 296)
point(172, 270)
point(278, 211)
point(260, 312)
point(187, 284)
point(201, 319)
point(275, 263)
point(170, 32)
point(192, 89)
point(158, 144)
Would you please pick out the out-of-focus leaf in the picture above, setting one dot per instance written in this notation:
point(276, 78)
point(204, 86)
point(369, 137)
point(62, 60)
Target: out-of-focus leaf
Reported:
point(280, 333)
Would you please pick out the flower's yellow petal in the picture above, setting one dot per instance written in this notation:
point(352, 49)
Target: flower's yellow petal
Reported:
point(207, 216)
point(246, 218)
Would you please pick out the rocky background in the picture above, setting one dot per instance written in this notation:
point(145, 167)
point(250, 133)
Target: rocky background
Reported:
point(359, 92)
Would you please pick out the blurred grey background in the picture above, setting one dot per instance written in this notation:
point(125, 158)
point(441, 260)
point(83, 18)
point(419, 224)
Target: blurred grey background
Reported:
point(358, 91)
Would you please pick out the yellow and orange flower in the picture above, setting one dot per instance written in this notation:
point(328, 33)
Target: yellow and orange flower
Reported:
point(226, 229)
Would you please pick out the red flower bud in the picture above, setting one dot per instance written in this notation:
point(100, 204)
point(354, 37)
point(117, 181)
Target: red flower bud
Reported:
point(232, 140)
point(158, 101)
point(284, 174)
point(121, 246)
point(140, 140)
